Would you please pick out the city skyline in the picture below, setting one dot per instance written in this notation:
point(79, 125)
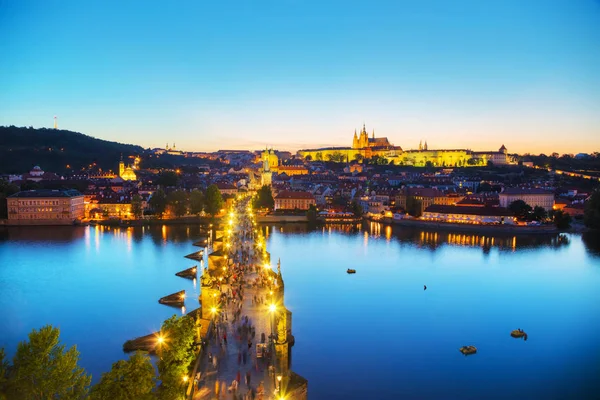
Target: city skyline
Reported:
point(299, 74)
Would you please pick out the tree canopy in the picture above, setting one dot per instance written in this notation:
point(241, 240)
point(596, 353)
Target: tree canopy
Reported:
point(42, 369)
point(591, 217)
point(158, 202)
point(176, 355)
point(167, 178)
point(213, 200)
point(136, 206)
point(130, 379)
point(178, 202)
point(264, 198)
point(520, 209)
point(196, 202)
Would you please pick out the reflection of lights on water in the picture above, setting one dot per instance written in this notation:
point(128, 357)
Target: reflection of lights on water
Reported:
point(164, 232)
point(182, 310)
point(194, 282)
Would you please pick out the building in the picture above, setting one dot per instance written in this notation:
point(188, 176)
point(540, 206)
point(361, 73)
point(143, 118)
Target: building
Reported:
point(292, 170)
point(468, 215)
point(425, 197)
point(533, 197)
point(38, 175)
point(364, 146)
point(126, 172)
point(287, 200)
point(226, 188)
point(45, 207)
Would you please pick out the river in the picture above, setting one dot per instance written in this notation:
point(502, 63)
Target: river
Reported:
point(375, 334)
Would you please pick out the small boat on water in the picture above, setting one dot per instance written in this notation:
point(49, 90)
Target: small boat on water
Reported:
point(518, 334)
point(351, 271)
point(468, 350)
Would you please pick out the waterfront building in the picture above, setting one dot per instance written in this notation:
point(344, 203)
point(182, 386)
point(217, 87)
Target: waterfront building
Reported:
point(288, 200)
point(38, 175)
point(534, 197)
point(227, 188)
point(425, 197)
point(468, 215)
point(45, 207)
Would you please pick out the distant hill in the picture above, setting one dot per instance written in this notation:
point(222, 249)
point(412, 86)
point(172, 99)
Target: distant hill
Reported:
point(53, 149)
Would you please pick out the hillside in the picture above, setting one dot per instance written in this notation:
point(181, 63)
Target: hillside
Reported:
point(23, 148)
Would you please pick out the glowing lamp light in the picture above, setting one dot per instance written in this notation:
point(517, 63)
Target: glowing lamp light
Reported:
point(213, 310)
point(160, 340)
point(185, 378)
point(272, 308)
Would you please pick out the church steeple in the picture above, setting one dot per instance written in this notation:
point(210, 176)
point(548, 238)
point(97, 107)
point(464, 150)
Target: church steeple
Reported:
point(420, 145)
point(425, 147)
point(373, 134)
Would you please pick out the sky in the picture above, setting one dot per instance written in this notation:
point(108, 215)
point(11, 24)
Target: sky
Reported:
point(290, 74)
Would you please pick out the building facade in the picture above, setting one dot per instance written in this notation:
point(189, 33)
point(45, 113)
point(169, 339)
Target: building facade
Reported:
point(45, 207)
point(468, 215)
point(287, 200)
point(364, 146)
point(533, 197)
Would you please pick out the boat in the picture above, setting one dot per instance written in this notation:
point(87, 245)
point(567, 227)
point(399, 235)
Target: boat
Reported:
point(518, 334)
point(351, 271)
point(468, 350)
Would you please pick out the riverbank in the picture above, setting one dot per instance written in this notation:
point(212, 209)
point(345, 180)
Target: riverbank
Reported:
point(478, 228)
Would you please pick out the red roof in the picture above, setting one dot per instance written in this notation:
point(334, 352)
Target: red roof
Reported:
point(285, 194)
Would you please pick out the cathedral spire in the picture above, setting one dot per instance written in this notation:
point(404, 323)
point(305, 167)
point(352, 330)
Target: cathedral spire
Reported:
point(420, 145)
point(373, 133)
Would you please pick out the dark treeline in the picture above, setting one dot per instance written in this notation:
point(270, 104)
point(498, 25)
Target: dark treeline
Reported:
point(53, 149)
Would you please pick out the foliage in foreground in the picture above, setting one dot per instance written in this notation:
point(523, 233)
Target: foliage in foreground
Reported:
point(43, 369)
point(131, 379)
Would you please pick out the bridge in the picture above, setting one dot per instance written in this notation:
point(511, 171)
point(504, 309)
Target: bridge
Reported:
point(247, 339)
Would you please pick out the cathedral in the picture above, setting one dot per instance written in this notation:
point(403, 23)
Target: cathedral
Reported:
point(365, 147)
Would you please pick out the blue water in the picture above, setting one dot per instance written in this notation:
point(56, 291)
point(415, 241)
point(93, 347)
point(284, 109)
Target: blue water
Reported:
point(373, 335)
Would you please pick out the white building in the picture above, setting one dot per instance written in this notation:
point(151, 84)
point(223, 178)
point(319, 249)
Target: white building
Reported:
point(533, 197)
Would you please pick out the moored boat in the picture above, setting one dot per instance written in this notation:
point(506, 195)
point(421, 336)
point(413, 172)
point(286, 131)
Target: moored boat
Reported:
point(351, 271)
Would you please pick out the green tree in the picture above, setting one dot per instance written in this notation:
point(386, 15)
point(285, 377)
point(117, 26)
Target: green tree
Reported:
point(3, 374)
point(357, 209)
point(520, 209)
point(308, 157)
point(311, 214)
point(130, 379)
point(42, 369)
point(539, 213)
point(561, 219)
point(196, 202)
point(176, 355)
point(472, 161)
point(264, 198)
point(429, 164)
point(167, 178)
point(413, 206)
point(591, 216)
point(319, 156)
point(358, 157)
point(178, 201)
point(136, 206)
point(6, 189)
point(158, 202)
point(214, 200)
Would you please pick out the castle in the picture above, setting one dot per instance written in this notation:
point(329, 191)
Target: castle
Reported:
point(365, 147)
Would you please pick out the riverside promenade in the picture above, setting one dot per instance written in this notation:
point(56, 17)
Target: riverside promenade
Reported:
point(246, 350)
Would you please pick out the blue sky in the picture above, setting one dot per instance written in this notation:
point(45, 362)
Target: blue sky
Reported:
point(295, 74)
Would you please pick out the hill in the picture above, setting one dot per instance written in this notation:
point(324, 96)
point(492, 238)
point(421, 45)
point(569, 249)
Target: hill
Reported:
point(54, 149)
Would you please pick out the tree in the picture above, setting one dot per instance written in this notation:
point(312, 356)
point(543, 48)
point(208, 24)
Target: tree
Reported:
point(562, 220)
point(178, 201)
point(105, 213)
point(591, 216)
point(168, 178)
point(311, 214)
point(158, 202)
point(196, 202)
point(130, 379)
point(472, 161)
point(214, 200)
point(539, 213)
point(319, 156)
point(136, 206)
point(520, 209)
point(43, 369)
point(358, 157)
point(414, 206)
point(3, 374)
point(308, 157)
point(429, 164)
point(264, 198)
point(6, 189)
point(357, 210)
point(176, 355)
